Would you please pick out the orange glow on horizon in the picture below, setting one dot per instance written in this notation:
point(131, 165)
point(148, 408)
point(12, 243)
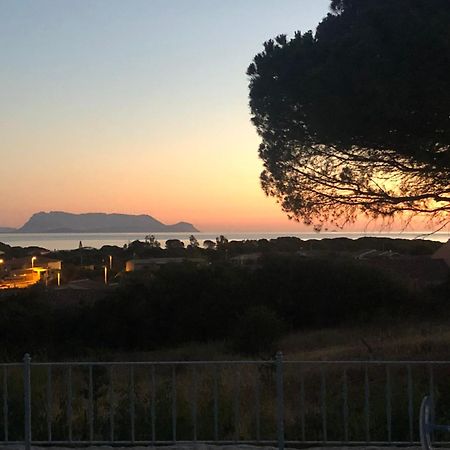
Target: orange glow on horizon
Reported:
point(207, 175)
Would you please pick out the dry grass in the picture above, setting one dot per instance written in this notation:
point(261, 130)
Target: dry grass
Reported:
point(404, 341)
point(428, 340)
point(237, 386)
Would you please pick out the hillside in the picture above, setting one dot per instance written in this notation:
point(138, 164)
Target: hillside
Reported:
point(7, 230)
point(62, 222)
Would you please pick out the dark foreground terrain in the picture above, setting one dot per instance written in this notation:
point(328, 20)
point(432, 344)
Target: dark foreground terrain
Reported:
point(245, 298)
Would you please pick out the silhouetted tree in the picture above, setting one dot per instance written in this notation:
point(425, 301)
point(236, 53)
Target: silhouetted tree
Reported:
point(193, 242)
point(221, 242)
point(174, 244)
point(151, 241)
point(356, 117)
point(209, 245)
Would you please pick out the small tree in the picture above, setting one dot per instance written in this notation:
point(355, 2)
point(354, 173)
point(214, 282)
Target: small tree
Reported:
point(193, 242)
point(221, 242)
point(209, 245)
point(152, 242)
point(174, 244)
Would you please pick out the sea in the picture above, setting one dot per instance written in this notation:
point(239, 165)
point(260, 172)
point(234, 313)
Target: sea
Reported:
point(69, 241)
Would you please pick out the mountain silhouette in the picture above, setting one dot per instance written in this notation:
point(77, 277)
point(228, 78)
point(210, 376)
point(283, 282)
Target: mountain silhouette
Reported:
point(63, 222)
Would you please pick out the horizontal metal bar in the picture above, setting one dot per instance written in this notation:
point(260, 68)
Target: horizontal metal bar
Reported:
point(343, 443)
point(73, 443)
point(181, 443)
point(363, 363)
point(439, 427)
point(212, 363)
point(149, 363)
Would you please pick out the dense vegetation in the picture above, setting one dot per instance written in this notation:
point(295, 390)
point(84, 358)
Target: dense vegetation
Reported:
point(248, 307)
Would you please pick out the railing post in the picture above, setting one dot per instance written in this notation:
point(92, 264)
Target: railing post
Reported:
point(27, 400)
point(280, 400)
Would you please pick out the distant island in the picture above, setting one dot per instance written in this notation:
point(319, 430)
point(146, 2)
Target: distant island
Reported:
point(63, 222)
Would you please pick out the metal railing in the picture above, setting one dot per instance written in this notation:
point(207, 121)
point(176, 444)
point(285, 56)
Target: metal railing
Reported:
point(276, 402)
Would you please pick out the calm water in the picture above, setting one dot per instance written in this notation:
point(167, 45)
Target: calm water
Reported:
point(68, 241)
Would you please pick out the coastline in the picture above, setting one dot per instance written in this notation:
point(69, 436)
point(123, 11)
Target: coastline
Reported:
point(70, 241)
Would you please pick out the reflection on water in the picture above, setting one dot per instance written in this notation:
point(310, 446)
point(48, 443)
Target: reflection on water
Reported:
point(68, 241)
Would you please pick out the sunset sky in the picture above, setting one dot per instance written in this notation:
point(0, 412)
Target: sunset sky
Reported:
point(137, 106)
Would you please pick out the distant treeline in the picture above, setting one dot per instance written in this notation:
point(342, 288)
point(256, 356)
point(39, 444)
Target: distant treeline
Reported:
point(222, 247)
point(249, 308)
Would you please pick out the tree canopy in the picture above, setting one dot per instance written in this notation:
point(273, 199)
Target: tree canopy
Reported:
point(355, 118)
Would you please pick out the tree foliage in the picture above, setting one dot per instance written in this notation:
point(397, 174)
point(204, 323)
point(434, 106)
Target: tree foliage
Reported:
point(249, 308)
point(356, 117)
point(193, 242)
point(152, 242)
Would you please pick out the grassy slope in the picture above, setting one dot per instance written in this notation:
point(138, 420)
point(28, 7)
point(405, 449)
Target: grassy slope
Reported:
point(399, 341)
point(393, 341)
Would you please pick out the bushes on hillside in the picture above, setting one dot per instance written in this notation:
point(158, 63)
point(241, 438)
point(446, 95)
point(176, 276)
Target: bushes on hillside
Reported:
point(249, 308)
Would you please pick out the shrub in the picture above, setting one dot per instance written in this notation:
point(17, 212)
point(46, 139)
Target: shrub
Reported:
point(257, 331)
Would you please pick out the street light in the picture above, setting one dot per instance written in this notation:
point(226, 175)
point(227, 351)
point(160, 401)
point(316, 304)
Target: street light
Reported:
point(110, 262)
point(106, 274)
point(33, 259)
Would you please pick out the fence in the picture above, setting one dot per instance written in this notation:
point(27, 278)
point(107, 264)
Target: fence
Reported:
point(275, 402)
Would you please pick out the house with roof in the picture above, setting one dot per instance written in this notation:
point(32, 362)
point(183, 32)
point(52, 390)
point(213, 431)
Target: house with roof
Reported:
point(24, 272)
point(246, 259)
point(443, 253)
point(151, 264)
